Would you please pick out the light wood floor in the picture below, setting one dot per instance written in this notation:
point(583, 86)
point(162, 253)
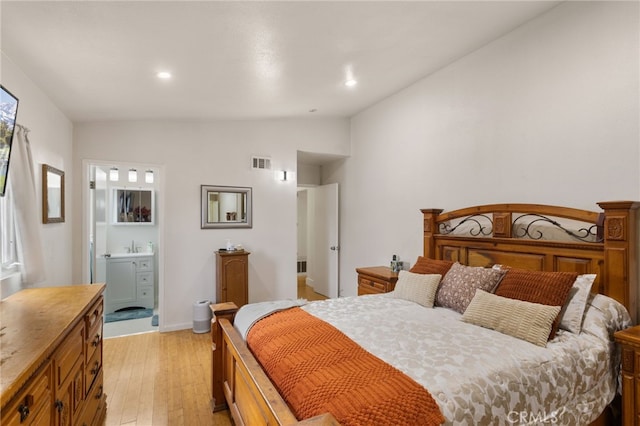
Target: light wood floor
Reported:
point(306, 292)
point(157, 379)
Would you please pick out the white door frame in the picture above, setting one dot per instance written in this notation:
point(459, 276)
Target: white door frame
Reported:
point(86, 225)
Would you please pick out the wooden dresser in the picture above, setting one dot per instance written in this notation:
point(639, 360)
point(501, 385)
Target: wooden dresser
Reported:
point(51, 357)
point(232, 277)
point(629, 340)
point(376, 279)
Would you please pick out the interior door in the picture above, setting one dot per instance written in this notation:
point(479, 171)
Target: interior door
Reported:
point(98, 225)
point(325, 241)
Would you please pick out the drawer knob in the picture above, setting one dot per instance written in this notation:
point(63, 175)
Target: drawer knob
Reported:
point(24, 412)
point(96, 368)
point(96, 340)
point(99, 394)
point(59, 405)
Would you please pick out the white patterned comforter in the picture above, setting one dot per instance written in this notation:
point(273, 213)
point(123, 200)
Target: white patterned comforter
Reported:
point(479, 376)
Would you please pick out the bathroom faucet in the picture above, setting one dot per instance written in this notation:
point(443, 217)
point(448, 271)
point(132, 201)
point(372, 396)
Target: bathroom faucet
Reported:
point(133, 246)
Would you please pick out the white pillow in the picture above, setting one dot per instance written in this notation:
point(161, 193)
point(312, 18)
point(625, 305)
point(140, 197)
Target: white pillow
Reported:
point(418, 288)
point(573, 309)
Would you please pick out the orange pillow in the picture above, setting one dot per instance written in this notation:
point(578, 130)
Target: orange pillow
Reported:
point(545, 288)
point(424, 265)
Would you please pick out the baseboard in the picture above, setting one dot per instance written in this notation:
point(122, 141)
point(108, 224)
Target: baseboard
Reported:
point(176, 327)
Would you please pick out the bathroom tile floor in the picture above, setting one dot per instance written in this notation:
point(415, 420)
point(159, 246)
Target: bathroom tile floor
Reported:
point(125, 328)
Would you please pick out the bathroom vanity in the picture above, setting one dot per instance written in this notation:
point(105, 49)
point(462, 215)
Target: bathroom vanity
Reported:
point(130, 281)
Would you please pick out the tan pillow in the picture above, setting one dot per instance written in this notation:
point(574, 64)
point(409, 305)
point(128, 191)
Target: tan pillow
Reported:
point(546, 288)
point(524, 320)
point(424, 265)
point(419, 288)
point(459, 285)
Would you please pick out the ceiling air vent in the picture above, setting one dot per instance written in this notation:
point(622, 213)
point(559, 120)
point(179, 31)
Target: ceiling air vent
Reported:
point(263, 163)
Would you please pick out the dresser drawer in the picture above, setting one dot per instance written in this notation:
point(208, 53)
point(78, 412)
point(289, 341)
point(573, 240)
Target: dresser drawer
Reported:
point(33, 405)
point(93, 319)
point(93, 368)
point(94, 403)
point(94, 340)
point(69, 352)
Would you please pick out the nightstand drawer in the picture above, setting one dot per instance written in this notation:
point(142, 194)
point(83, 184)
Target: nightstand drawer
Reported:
point(370, 283)
point(375, 280)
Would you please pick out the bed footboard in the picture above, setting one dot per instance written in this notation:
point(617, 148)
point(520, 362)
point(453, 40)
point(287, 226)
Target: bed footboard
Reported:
point(240, 384)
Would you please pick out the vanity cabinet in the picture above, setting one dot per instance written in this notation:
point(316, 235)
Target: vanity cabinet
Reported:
point(48, 335)
point(130, 282)
point(232, 277)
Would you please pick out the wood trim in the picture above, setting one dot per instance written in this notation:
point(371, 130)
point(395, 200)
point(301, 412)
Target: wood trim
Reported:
point(221, 311)
point(542, 209)
point(614, 259)
point(621, 253)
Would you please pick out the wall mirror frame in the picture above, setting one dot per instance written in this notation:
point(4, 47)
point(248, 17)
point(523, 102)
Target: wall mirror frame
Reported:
point(133, 206)
point(225, 207)
point(52, 194)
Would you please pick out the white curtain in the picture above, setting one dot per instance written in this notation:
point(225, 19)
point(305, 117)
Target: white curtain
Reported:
point(27, 214)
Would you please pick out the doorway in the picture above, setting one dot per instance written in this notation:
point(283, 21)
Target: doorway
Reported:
point(318, 229)
point(121, 242)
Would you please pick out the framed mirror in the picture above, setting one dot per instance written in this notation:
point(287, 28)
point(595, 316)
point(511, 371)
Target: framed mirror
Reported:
point(133, 206)
point(225, 207)
point(52, 194)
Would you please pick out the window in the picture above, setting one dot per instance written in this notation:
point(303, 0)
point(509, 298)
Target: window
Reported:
point(8, 251)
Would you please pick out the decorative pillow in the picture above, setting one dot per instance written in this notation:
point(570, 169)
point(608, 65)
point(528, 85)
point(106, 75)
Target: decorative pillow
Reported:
point(419, 288)
point(573, 310)
point(546, 288)
point(459, 285)
point(424, 265)
point(524, 320)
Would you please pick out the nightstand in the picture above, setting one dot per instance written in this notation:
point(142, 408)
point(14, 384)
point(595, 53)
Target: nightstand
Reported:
point(629, 340)
point(376, 279)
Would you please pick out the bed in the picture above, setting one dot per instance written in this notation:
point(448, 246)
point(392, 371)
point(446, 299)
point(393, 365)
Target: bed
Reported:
point(513, 237)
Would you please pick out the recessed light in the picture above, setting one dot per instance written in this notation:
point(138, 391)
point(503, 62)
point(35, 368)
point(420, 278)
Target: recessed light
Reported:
point(350, 83)
point(164, 75)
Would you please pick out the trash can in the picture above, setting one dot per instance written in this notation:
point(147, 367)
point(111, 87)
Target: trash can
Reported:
point(201, 317)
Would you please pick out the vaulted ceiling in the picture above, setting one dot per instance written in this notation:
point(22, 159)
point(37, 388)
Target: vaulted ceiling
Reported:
point(98, 60)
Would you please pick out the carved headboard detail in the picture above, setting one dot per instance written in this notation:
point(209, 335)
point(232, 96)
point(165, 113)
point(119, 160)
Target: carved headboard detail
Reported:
point(547, 238)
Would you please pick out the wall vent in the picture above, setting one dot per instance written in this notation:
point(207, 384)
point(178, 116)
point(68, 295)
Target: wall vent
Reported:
point(263, 163)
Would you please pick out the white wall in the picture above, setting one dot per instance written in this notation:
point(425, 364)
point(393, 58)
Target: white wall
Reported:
point(215, 153)
point(51, 143)
point(547, 114)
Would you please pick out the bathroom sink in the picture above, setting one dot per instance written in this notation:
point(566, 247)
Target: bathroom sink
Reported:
point(117, 255)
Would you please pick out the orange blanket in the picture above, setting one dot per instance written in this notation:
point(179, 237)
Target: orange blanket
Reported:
point(318, 369)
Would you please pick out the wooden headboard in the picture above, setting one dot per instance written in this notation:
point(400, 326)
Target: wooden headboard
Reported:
point(606, 242)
